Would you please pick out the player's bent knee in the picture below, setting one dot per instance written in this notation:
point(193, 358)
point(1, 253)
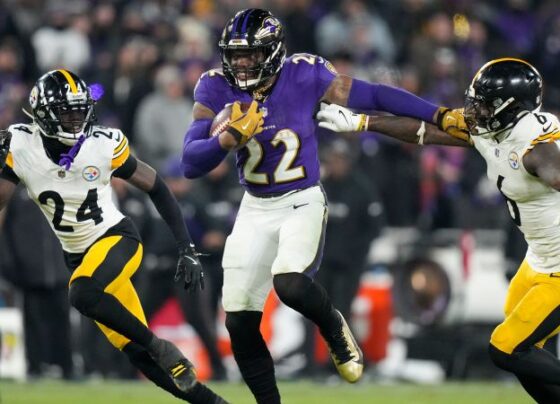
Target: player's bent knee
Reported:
point(84, 294)
point(500, 358)
point(291, 288)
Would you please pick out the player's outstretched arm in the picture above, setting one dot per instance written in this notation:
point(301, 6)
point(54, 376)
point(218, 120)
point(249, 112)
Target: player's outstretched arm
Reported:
point(340, 119)
point(358, 94)
point(144, 177)
point(543, 161)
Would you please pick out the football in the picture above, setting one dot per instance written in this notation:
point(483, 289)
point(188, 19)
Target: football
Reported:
point(221, 120)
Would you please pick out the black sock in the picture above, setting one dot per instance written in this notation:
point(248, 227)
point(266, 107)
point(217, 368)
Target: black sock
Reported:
point(534, 362)
point(88, 297)
point(140, 358)
point(541, 392)
point(252, 355)
point(302, 294)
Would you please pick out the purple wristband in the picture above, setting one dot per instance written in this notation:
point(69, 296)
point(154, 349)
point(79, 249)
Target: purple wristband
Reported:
point(379, 97)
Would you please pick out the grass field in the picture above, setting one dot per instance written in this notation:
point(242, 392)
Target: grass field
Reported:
point(50, 392)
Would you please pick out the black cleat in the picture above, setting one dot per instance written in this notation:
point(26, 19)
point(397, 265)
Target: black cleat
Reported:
point(179, 368)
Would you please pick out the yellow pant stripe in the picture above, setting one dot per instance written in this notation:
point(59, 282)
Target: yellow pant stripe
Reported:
point(95, 257)
point(129, 298)
point(127, 272)
point(532, 296)
point(121, 287)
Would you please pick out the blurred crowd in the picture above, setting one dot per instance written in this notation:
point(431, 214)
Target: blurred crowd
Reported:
point(149, 54)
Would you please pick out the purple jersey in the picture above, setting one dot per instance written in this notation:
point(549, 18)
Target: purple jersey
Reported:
point(284, 156)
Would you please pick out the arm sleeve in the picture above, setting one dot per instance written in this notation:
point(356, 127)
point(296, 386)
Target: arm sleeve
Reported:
point(170, 212)
point(127, 169)
point(201, 154)
point(379, 97)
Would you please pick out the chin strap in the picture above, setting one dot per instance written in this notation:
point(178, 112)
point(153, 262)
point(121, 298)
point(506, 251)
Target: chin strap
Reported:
point(66, 159)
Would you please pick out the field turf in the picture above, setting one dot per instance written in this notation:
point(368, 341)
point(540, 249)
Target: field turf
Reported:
point(54, 392)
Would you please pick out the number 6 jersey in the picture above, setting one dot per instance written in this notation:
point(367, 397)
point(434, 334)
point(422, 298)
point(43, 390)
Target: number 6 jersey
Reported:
point(77, 203)
point(533, 205)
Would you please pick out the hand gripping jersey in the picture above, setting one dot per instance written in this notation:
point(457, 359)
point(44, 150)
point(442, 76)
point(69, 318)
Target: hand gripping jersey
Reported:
point(533, 205)
point(77, 203)
point(284, 156)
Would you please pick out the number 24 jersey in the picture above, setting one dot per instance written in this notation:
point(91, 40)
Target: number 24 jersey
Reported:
point(77, 203)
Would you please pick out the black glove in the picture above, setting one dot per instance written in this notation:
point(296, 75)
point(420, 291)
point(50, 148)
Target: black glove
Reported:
point(190, 269)
point(5, 138)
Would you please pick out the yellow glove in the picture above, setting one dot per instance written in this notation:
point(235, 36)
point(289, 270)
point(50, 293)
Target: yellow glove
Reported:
point(452, 121)
point(243, 126)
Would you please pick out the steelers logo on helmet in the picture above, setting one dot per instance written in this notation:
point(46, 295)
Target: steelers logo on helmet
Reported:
point(34, 97)
point(62, 106)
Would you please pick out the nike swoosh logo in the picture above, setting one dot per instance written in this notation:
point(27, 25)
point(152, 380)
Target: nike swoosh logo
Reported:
point(192, 260)
point(300, 205)
point(244, 127)
point(344, 116)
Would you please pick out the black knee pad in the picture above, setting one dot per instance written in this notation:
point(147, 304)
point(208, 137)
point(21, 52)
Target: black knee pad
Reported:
point(292, 288)
point(84, 294)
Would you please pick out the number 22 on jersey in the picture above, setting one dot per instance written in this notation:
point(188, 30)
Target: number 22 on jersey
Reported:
point(284, 171)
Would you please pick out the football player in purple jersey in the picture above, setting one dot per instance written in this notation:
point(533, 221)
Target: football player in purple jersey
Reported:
point(277, 240)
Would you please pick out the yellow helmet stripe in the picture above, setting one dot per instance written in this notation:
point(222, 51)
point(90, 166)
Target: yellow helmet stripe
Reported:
point(497, 61)
point(70, 81)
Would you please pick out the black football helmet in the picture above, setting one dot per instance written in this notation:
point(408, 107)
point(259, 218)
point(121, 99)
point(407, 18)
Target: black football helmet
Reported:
point(501, 92)
point(260, 34)
point(62, 106)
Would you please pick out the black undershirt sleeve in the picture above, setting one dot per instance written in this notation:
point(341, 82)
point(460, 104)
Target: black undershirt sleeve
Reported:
point(127, 169)
point(169, 209)
point(8, 174)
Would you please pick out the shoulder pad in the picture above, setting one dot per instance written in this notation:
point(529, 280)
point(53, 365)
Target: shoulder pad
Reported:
point(102, 132)
point(21, 128)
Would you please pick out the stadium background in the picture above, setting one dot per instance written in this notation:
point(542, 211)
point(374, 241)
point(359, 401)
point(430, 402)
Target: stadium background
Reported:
point(442, 245)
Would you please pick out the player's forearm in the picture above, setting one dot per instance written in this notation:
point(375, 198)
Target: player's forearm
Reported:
point(170, 212)
point(200, 153)
point(379, 97)
point(410, 130)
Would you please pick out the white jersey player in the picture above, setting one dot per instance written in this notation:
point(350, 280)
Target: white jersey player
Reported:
point(66, 162)
point(520, 144)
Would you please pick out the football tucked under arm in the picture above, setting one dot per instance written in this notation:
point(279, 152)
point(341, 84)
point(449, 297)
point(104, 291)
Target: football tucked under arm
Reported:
point(236, 124)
